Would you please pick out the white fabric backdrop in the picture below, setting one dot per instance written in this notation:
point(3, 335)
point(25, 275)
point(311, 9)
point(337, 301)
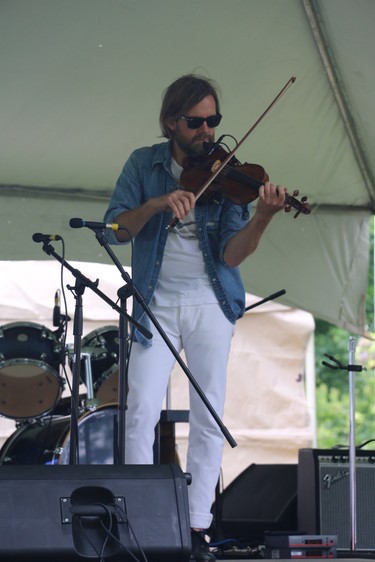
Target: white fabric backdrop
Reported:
point(267, 412)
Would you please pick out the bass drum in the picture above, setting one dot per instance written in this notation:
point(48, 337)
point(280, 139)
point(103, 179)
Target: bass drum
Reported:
point(47, 441)
point(30, 355)
point(96, 435)
point(36, 442)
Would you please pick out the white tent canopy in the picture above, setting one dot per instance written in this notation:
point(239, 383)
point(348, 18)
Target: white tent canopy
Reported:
point(81, 84)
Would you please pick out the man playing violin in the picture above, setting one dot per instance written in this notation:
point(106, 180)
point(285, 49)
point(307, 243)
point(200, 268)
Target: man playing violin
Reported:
point(188, 275)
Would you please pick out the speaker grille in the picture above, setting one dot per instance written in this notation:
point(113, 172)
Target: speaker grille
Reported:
point(324, 496)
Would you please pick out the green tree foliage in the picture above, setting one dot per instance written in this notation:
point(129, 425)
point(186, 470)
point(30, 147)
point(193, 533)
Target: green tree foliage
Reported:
point(334, 412)
point(332, 386)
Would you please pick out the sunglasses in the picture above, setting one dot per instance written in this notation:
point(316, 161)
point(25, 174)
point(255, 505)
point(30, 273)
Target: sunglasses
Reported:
point(196, 122)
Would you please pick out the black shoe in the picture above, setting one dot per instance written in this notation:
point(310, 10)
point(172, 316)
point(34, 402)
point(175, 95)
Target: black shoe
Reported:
point(200, 551)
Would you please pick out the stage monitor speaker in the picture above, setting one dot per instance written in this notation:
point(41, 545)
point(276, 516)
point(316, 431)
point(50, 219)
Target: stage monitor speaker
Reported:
point(109, 512)
point(262, 498)
point(324, 495)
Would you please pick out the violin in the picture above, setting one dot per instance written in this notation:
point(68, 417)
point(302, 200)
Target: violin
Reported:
point(237, 182)
point(219, 171)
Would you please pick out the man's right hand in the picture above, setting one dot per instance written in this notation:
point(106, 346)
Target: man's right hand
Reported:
point(180, 202)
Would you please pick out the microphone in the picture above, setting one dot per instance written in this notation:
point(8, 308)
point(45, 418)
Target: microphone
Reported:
point(210, 147)
point(79, 223)
point(56, 318)
point(38, 237)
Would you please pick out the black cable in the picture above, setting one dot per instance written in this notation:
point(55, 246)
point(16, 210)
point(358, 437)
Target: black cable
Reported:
point(99, 554)
point(107, 530)
point(125, 517)
point(126, 549)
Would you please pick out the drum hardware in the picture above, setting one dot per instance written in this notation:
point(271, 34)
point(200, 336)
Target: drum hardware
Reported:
point(91, 403)
point(103, 347)
point(99, 365)
point(64, 406)
point(57, 452)
point(29, 421)
point(97, 353)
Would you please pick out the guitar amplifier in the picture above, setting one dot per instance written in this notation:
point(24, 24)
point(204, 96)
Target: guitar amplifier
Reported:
point(323, 496)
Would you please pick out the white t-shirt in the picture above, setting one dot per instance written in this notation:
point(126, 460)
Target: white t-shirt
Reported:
point(183, 279)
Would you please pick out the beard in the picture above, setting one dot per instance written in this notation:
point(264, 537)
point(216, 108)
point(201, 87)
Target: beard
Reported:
point(195, 146)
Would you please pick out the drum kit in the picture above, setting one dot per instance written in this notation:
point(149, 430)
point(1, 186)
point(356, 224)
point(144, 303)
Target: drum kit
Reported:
point(32, 358)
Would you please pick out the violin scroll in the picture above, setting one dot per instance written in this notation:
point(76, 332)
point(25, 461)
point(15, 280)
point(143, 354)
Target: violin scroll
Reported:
point(301, 206)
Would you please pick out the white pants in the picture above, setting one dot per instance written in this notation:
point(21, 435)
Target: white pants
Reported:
point(205, 335)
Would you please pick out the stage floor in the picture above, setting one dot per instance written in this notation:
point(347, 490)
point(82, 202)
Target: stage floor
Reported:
point(343, 556)
point(246, 558)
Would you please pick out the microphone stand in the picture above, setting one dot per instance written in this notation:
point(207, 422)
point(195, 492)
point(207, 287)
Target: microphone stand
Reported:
point(104, 243)
point(81, 283)
point(76, 370)
point(352, 369)
point(124, 293)
point(271, 297)
point(352, 449)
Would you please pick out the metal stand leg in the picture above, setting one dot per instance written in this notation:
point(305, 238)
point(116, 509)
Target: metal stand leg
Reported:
point(91, 402)
point(352, 368)
point(352, 447)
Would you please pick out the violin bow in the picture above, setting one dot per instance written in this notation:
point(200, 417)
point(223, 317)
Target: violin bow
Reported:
point(217, 168)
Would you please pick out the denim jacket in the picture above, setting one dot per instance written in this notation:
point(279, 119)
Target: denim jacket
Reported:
point(147, 174)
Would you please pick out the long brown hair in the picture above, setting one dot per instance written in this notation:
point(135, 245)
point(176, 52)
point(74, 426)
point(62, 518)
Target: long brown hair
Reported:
point(183, 94)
